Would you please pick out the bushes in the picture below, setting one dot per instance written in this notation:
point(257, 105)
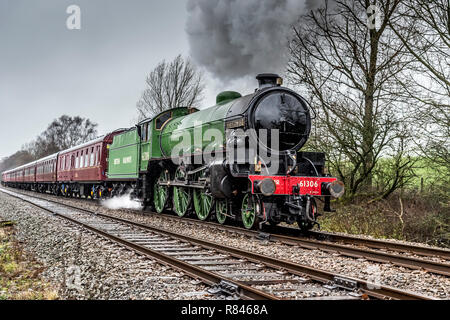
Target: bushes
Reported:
point(408, 216)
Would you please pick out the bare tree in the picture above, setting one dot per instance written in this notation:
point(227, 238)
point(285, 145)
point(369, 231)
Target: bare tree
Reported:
point(170, 85)
point(17, 159)
point(63, 133)
point(351, 71)
point(425, 32)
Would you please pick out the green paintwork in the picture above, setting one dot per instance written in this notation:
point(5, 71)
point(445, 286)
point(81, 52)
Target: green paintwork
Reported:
point(221, 211)
point(248, 214)
point(181, 196)
point(150, 136)
point(123, 161)
point(161, 192)
point(227, 96)
point(187, 133)
point(203, 201)
point(202, 204)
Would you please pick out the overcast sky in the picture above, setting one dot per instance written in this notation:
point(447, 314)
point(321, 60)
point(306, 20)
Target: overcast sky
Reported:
point(97, 72)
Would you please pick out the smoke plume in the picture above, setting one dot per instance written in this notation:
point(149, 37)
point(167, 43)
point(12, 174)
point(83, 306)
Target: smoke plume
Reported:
point(237, 38)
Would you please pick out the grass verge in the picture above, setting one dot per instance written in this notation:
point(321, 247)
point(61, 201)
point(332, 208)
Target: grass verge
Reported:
point(20, 274)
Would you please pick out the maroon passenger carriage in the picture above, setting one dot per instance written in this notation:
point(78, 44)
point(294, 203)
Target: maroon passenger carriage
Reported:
point(45, 179)
point(78, 171)
point(82, 170)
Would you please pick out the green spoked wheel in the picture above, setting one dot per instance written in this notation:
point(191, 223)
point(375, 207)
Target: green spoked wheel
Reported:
point(181, 196)
point(249, 211)
point(221, 211)
point(202, 203)
point(161, 192)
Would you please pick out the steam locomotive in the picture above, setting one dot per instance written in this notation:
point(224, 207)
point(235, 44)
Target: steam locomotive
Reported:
point(238, 160)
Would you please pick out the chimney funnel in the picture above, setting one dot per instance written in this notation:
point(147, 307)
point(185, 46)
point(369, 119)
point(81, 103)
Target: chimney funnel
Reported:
point(267, 80)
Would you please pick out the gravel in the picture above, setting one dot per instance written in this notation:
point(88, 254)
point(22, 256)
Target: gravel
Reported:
point(419, 281)
point(85, 266)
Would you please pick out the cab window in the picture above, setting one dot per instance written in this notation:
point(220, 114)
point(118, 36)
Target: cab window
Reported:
point(162, 119)
point(144, 132)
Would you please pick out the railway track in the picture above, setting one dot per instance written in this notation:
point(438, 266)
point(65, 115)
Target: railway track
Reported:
point(346, 245)
point(233, 271)
point(369, 249)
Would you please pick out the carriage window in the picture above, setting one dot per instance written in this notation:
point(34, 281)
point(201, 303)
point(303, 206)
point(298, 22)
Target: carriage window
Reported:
point(86, 158)
point(162, 119)
point(77, 162)
point(82, 159)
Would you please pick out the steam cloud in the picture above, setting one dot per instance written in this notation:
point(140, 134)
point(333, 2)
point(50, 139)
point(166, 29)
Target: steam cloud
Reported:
point(122, 202)
point(237, 38)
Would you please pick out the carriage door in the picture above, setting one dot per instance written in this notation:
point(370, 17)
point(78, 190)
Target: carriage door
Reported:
point(72, 167)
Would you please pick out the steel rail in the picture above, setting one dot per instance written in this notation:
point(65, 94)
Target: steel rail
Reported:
point(371, 289)
point(280, 232)
point(354, 252)
point(381, 244)
point(207, 277)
